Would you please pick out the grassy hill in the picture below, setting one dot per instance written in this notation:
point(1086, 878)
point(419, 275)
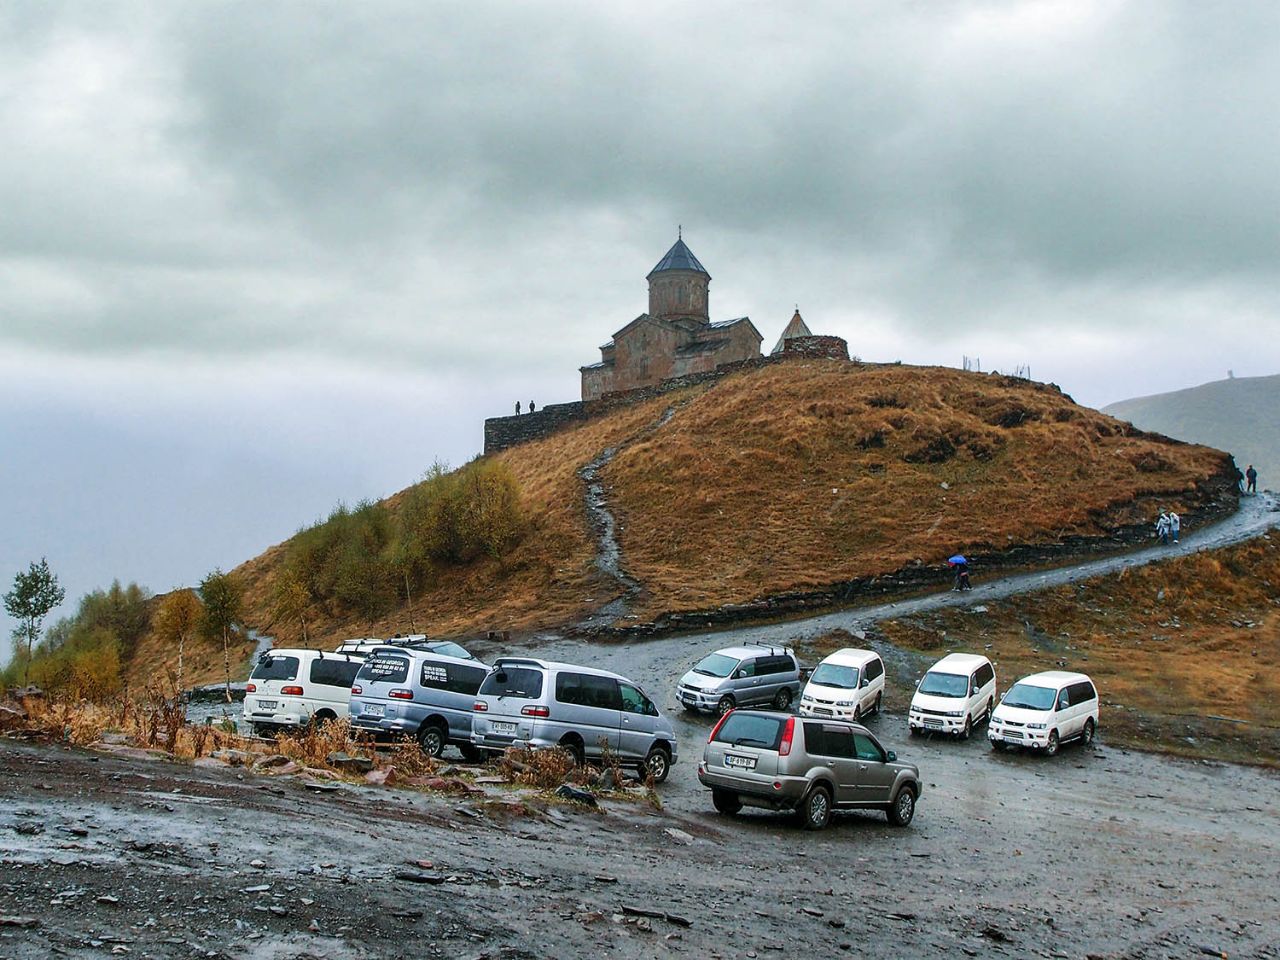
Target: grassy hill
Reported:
point(1241, 416)
point(784, 478)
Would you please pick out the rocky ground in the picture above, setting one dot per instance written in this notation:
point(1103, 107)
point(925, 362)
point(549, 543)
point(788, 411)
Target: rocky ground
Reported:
point(1097, 852)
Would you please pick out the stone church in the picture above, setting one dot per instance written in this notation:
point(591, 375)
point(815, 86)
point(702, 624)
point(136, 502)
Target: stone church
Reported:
point(675, 338)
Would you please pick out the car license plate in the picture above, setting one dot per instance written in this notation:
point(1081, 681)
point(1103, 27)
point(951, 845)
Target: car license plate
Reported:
point(374, 709)
point(687, 698)
point(268, 704)
point(506, 729)
point(745, 763)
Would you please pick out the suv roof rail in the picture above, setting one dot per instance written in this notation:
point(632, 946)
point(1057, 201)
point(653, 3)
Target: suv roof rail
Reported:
point(774, 648)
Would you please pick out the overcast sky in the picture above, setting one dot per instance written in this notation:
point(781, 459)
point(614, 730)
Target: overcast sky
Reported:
point(256, 258)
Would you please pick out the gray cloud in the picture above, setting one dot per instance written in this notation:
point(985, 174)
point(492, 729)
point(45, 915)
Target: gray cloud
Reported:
point(210, 197)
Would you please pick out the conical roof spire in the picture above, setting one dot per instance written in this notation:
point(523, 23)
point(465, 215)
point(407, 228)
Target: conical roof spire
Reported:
point(679, 257)
point(796, 328)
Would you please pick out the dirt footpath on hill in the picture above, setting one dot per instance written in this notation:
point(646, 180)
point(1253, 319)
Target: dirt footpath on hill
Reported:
point(1151, 858)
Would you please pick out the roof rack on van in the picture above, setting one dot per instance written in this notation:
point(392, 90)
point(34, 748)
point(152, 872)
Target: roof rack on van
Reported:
point(773, 648)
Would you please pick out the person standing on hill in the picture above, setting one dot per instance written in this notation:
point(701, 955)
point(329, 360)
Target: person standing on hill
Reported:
point(517, 408)
point(1175, 525)
point(1252, 476)
point(531, 406)
point(1162, 527)
point(1240, 479)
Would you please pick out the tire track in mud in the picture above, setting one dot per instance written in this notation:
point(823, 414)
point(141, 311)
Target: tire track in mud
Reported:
point(604, 525)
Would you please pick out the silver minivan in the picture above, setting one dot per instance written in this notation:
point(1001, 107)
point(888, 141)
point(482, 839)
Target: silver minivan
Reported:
point(749, 675)
point(536, 704)
point(403, 692)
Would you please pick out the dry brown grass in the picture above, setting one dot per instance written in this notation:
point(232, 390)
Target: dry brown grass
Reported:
point(787, 477)
point(1169, 645)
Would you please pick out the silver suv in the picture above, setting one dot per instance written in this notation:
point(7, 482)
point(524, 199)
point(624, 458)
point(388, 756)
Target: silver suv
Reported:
point(407, 692)
point(538, 704)
point(750, 675)
point(783, 762)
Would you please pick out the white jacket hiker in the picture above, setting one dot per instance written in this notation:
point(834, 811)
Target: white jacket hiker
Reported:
point(1175, 525)
point(1162, 527)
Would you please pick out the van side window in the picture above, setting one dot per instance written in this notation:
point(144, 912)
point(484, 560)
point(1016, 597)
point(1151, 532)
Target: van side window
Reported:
point(866, 748)
point(452, 677)
point(1064, 698)
point(985, 674)
point(1081, 693)
point(586, 690)
point(874, 668)
point(747, 668)
point(633, 701)
point(334, 673)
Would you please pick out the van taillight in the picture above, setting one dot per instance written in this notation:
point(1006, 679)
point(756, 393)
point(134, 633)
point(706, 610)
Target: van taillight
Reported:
point(357, 689)
point(716, 728)
point(789, 731)
point(535, 711)
point(480, 707)
point(250, 688)
point(291, 691)
point(401, 694)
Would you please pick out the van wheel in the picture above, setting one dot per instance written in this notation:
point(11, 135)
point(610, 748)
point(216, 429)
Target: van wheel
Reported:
point(322, 719)
point(903, 809)
point(990, 710)
point(726, 802)
point(815, 809)
point(575, 750)
point(1086, 735)
point(431, 739)
point(658, 764)
point(968, 728)
point(724, 706)
point(783, 699)
point(998, 746)
point(875, 707)
point(1051, 748)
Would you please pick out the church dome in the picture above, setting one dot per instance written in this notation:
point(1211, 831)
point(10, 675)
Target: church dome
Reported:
point(679, 257)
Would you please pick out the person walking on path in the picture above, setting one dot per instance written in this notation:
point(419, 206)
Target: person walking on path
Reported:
point(1252, 476)
point(1162, 527)
point(531, 406)
point(1240, 480)
point(517, 408)
point(1175, 525)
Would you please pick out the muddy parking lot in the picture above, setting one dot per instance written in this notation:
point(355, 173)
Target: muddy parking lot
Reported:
point(1096, 852)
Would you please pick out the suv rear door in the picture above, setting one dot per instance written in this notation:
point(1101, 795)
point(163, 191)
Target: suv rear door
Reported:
point(329, 683)
point(831, 745)
point(746, 745)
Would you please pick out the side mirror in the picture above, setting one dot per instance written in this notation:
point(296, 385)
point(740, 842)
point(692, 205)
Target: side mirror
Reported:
point(892, 756)
point(866, 682)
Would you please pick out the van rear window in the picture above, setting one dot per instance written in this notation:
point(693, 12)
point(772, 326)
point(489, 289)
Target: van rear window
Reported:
point(523, 682)
point(384, 668)
point(452, 677)
point(752, 730)
point(275, 668)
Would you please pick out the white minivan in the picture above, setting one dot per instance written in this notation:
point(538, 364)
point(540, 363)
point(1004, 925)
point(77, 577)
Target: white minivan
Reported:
point(292, 688)
point(957, 693)
point(1044, 710)
point(848, 684)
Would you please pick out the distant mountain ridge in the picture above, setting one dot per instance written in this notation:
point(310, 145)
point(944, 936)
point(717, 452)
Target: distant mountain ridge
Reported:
point(1240, 415)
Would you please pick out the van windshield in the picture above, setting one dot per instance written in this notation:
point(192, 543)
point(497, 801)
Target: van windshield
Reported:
point(836, 675)
point(1029, 697)
point(275, 668)
point(944, 685)
point(447, 648)
point(715, 665)
point(523, 682)
point(750, 730)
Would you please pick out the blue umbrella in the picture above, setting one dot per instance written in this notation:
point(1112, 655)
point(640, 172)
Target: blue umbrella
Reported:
point(957, 559)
